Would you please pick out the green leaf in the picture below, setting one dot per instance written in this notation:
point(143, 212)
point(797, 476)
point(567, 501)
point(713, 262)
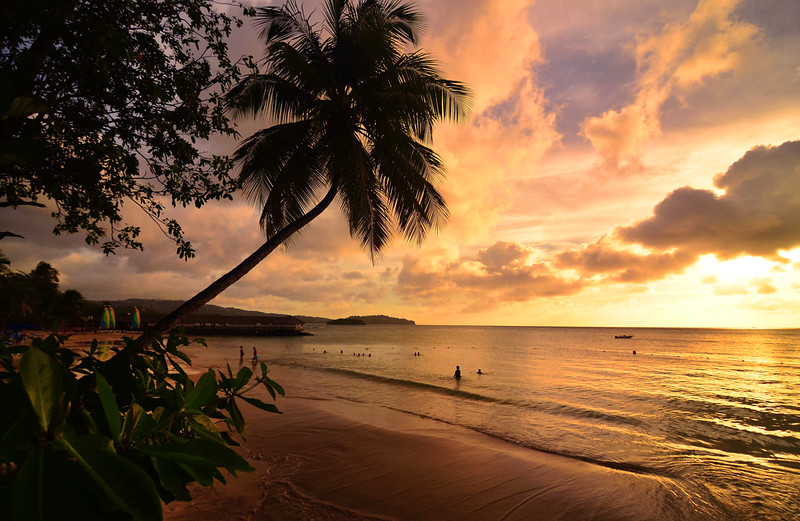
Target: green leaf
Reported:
point(42, 380)
point(172, 478)
point(203, 474)
point(22, 107)
point(110, 407)
point(125, 485)
point(255, 402)
point(144, 422)
point(242, 377)
point(199, 454)
point(205, 428)
point(203, 392)
point(237, 418)
point(229, 439)
point(29, 487)
point(17, 417)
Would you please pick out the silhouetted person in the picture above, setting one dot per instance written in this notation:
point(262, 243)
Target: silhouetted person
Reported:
point(479, 371)
point(241, 353)
point(255, 354)
point(458, 373)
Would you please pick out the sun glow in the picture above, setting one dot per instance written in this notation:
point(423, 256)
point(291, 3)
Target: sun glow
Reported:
point(741, 269)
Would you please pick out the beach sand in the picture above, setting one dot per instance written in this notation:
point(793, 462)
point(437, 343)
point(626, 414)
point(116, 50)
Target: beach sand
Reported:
point(336, 460)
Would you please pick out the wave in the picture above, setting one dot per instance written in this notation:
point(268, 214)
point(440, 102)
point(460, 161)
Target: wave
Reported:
point(547, 407)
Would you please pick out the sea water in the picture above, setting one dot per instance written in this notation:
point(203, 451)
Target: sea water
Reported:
point(714, 413)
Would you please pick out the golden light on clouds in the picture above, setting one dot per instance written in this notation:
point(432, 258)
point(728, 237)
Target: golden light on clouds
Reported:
point(627, 163)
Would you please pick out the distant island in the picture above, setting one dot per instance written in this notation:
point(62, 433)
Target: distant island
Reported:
point(358, 320)
point(346, 322)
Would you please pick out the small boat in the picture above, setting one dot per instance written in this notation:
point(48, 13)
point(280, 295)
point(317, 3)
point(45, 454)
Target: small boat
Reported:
point(623, 336)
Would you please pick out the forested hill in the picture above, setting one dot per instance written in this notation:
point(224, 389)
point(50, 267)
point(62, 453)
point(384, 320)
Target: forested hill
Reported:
point(165, 306)
point(383, 319)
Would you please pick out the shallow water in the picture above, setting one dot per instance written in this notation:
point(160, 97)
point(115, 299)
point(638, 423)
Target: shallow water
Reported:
point(713, 413)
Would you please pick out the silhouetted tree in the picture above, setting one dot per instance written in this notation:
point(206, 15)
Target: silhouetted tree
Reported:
point(104, 102)
point(352, 112)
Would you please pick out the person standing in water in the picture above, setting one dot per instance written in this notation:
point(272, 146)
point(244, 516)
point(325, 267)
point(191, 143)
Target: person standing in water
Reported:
point(458, 373)
point(255, 354)
point(241, 353)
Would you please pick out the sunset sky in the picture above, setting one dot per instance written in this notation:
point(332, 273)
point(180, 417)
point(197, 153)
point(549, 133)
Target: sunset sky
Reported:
point(627, 163)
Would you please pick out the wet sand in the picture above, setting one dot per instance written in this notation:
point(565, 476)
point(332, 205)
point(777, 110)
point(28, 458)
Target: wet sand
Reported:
point(335, 460)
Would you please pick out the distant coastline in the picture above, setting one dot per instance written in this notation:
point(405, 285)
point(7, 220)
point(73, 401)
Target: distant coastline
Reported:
point(215, 320)
point(346, 322)
point(372, 320)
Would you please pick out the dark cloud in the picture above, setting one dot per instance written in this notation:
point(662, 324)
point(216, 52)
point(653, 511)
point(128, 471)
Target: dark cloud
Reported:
point(758, 214)
point(623, 266)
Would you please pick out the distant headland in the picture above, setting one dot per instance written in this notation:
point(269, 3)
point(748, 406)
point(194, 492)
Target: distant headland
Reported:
point(217, 320)
point(359, 320)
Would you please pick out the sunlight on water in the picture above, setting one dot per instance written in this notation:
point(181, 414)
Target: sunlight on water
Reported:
point(713, 412)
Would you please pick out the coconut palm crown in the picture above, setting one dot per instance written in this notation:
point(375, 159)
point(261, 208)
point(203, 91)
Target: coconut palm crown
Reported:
point(352, 112)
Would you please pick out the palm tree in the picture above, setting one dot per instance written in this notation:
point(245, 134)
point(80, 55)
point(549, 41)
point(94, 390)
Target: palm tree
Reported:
point(351, 113)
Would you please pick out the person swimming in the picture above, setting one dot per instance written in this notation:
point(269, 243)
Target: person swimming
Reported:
point(479, 371)
point(457, 375)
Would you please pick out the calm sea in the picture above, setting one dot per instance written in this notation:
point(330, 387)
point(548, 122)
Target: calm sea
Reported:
point(713, 413)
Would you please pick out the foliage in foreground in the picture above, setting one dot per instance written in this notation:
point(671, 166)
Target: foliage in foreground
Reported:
point(80, 436)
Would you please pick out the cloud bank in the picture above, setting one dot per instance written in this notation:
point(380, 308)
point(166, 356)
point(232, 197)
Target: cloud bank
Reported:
point(756, 214)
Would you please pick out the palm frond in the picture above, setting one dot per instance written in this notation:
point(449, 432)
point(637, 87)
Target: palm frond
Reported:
point(352, 112)
point(270, 96)
point(281, 171)
point(360, 196)
point(408, 173)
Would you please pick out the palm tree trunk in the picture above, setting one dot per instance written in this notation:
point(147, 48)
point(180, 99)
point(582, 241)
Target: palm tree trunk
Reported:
point(224, 282)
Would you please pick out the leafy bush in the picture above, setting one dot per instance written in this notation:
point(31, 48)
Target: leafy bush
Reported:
point(111, 439)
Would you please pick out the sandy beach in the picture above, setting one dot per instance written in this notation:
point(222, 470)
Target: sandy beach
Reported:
point(329, 459)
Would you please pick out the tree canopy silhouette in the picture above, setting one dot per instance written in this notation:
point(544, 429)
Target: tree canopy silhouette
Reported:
point(107, 102)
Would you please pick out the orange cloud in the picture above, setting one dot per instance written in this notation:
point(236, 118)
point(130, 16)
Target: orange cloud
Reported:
point(682, 56)
point(504, 272)
point(623, 266)
point(490, 45)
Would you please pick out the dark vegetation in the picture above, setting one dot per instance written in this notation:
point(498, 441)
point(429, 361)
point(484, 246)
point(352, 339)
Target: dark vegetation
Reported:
point(371, 319)
point(34, 300)
point(383, 319)
point(86, 437)
point(346, 322)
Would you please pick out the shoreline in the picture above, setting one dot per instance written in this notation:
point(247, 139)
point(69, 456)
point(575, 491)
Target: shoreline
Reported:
point(337, 460)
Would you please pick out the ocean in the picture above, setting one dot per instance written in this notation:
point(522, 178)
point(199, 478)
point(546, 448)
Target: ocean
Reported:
point(712, 413)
